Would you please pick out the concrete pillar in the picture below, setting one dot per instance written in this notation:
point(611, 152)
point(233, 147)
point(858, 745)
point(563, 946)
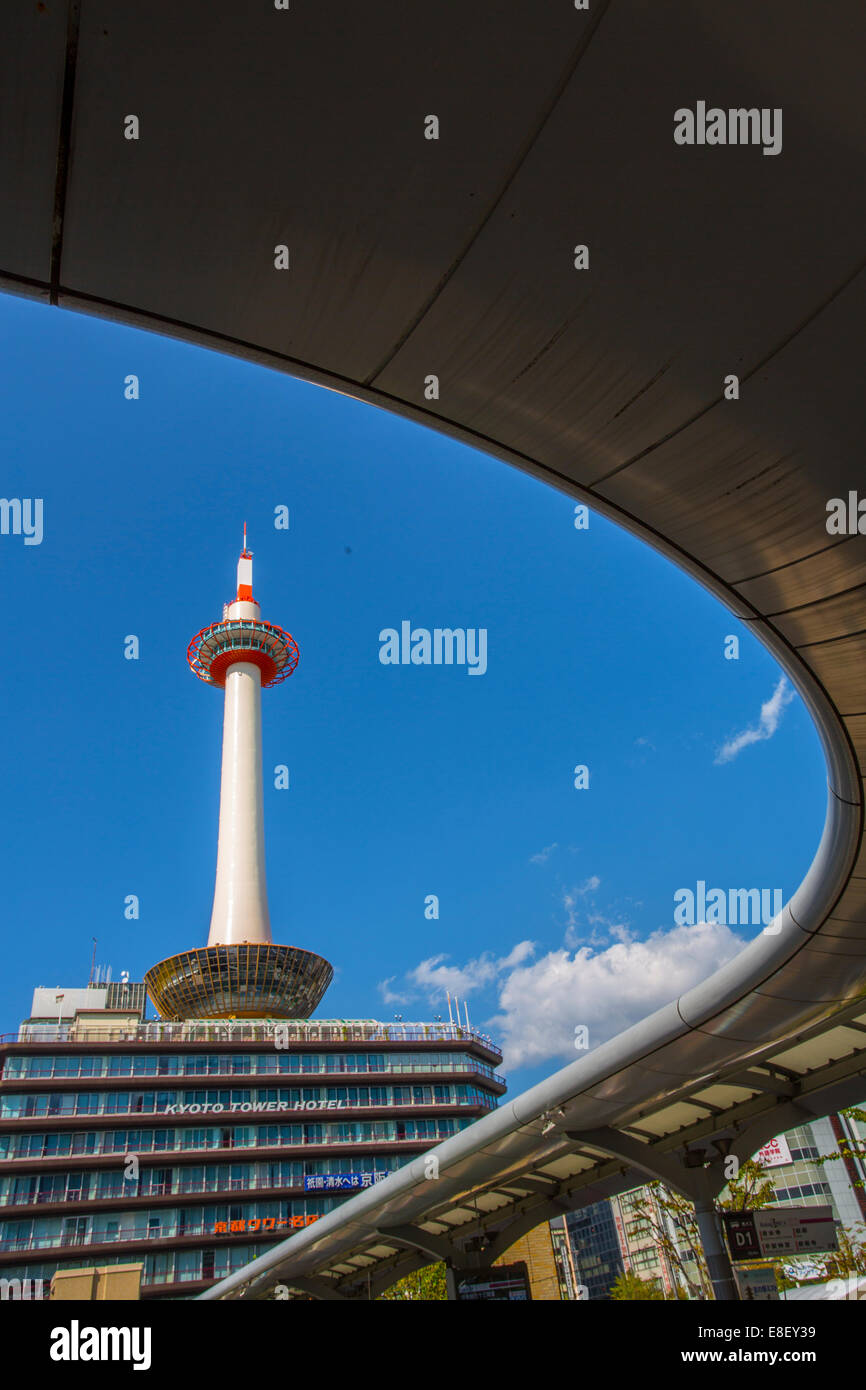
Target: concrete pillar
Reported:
point(715, 1250)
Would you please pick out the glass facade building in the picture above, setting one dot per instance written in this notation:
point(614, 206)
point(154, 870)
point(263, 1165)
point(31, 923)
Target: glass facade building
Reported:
point(595, 1248)
point(196, 1146)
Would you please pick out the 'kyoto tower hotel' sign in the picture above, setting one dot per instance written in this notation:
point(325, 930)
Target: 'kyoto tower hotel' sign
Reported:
point(241, 972)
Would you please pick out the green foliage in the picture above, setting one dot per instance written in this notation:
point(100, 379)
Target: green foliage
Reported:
point(849, 1148)
point(629, 1286)
point(849, 1259)
point(750, 1190)
point(425, 1284)
point(671, 1223)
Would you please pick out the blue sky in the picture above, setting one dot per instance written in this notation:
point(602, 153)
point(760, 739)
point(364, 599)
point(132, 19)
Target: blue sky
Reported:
point(556, 904)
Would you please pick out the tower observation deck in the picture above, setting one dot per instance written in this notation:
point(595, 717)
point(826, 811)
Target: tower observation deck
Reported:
point(241, 972)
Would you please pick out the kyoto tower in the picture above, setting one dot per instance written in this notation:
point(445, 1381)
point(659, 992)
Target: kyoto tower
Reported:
point(241, 972)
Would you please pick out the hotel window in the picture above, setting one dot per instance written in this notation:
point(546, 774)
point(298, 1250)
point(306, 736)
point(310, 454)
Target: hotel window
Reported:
point(49, 1187)
point(23, 1190)
point(161, 1269)
point(160, 1182)
point(74, 1230)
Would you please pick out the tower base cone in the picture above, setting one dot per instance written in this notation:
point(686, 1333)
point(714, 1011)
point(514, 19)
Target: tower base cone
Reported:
point(248, 981)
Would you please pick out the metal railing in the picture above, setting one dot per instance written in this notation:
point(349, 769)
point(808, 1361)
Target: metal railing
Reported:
point(297, 1115)
point(70, 1240)
point(323, 1141)
point(187, 1187)
point(280, 1033)
point(175, 1076)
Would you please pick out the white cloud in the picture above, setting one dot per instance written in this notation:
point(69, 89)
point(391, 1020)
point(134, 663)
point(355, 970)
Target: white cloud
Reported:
point(388, 996)
point(771, 714)
point(435, 978)
point(571, 901)
point(540, 1004)
point(543, 854)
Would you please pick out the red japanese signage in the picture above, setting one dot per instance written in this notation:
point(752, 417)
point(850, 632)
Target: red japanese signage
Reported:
point(254, 1225)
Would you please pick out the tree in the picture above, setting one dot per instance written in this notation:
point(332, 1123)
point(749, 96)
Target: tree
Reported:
point(674, 1227)
point(750, 1190)
point(850, 1258)
point(849, 1148)
point(424, 1284)
point(629, 1286)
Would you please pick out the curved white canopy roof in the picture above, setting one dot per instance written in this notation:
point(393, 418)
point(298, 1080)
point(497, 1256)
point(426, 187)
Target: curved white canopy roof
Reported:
point(455, 258)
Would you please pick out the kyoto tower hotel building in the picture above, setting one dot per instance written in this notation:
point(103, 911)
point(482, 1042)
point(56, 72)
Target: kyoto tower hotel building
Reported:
point(193, 1143)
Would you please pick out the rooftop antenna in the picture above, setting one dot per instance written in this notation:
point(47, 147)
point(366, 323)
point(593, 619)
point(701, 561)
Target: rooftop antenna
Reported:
point(92, 961)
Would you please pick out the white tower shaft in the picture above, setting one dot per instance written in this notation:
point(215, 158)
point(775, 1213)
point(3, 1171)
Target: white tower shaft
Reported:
point(240, 905)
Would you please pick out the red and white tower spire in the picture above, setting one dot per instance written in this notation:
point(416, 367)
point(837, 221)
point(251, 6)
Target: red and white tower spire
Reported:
point(241, 970)
point(240, 905)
